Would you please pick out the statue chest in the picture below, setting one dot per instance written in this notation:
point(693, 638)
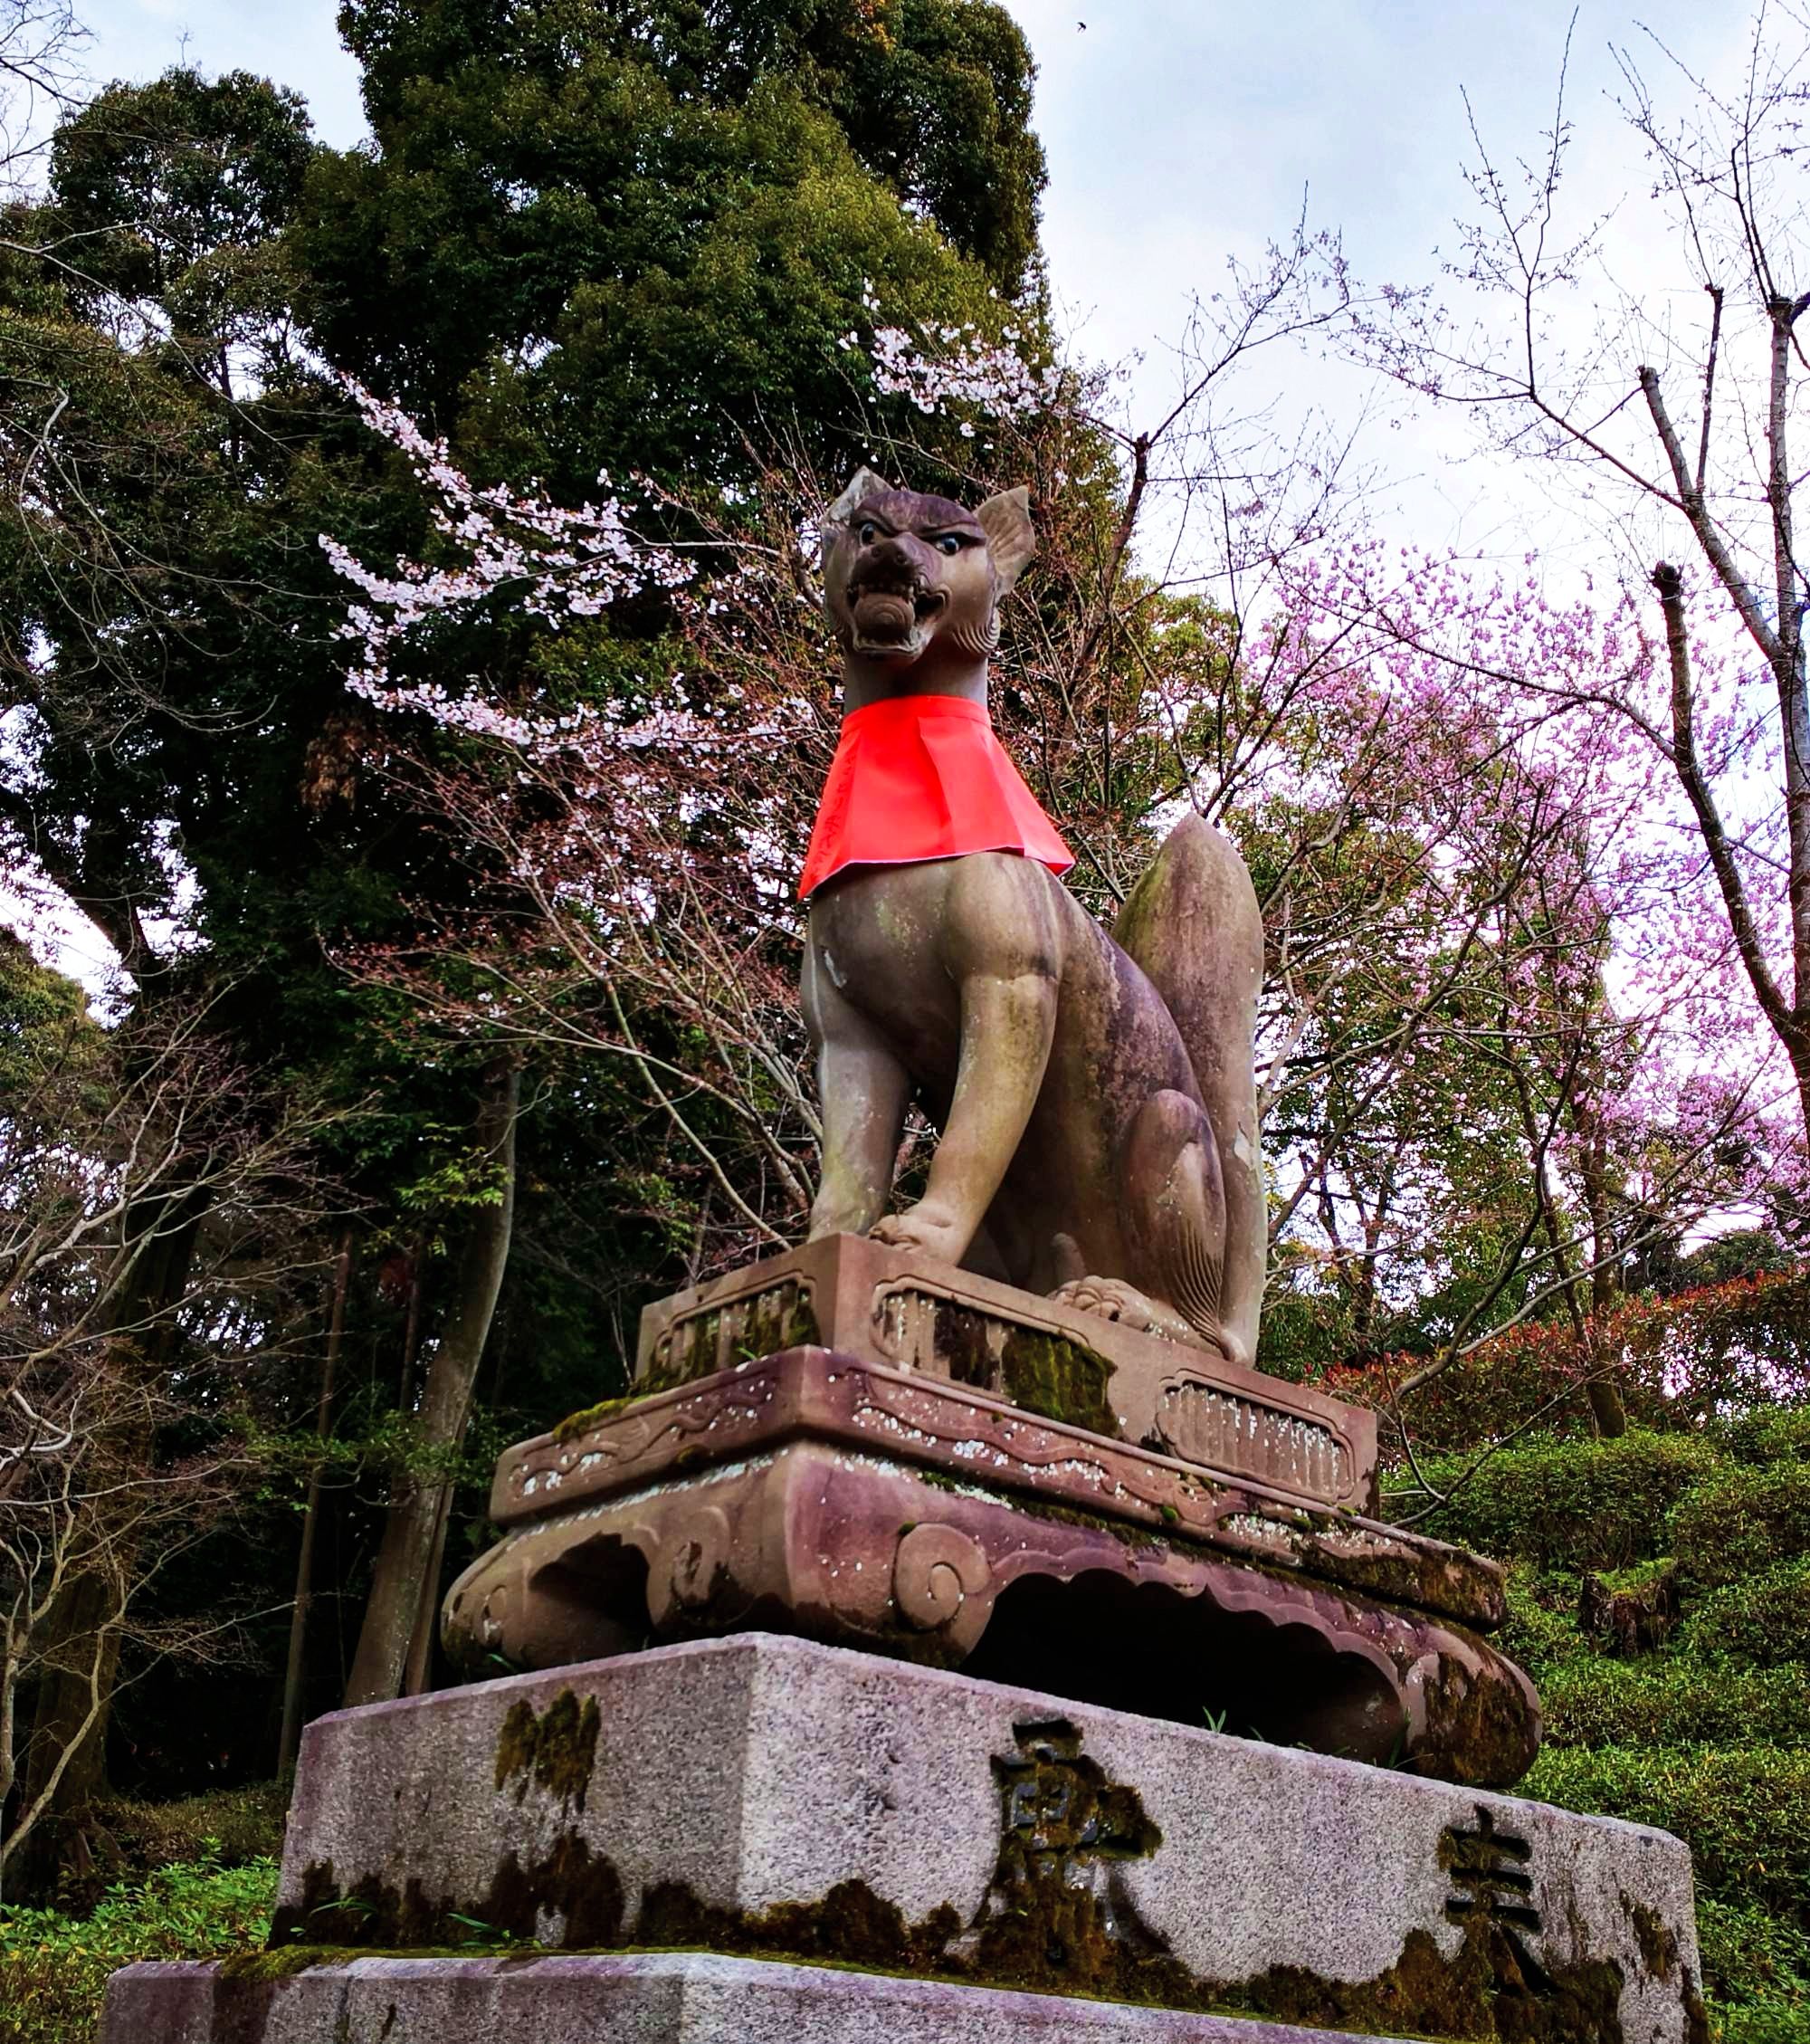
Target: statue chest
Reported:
point(877, 936)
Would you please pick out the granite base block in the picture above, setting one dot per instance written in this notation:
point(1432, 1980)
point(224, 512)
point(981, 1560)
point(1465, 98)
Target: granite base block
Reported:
point(770, 1798)
point(657, 1998)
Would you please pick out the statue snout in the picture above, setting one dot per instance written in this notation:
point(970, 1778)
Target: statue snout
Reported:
point(901, 565)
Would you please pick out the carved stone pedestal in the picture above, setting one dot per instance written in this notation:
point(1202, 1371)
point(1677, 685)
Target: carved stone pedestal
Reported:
point(900, 1310)
point(950, 1471)
point(956, 1859)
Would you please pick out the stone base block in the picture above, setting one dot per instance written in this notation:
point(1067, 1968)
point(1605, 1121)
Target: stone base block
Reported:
point(655, 1998)
point(766, 1797)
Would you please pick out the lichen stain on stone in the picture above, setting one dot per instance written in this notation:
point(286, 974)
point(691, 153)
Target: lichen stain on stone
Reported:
point(1456, 1585)
point(1057, 1908)
point(1128, 1532)
point(1059, 1918)
point(1657, 1940)
point(1482, 1992)
point(568, 1881)
point(1055, 1938)
point(1696, 2014)
point(555, 1752)
point(852, 1926)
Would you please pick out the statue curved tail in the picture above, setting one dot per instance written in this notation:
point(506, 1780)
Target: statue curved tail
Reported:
point(1193, 925)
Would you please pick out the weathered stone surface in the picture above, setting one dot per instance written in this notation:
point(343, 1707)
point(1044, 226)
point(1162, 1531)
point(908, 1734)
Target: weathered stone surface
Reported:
point(768, 1797)
point(818, 1492)
point(654, 1998)
point(904, 1310)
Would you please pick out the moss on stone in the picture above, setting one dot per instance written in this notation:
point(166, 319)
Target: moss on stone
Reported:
point(1657, 1940)
point(1052, 1375)
point(760, 1324)
point(300, 1958)
point(581, 1422)
point(779, 1319)
point(1490, 1988)
point(569, 1880)
point(555, 1752)
point(1059, 1378)
point(1486, 1732)
point(1410, 1578)
point(1040, 1931)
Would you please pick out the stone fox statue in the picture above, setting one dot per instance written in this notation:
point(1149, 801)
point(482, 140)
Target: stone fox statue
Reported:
point(1094, 1094)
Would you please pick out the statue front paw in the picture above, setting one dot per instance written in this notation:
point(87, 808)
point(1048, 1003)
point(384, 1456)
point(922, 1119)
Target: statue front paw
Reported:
point(933, 1231)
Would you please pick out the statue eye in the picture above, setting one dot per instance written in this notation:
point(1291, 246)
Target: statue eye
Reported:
point(948, 544)
point(867, 532)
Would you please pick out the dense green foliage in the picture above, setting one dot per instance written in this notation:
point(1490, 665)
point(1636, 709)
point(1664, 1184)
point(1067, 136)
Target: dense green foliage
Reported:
point(54, 1966)
point(1706, 1733)
point(589, 237)
point(627, 236)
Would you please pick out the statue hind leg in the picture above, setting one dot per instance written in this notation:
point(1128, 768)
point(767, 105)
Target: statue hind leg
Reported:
point(1193, 925)
point(1175, 1205)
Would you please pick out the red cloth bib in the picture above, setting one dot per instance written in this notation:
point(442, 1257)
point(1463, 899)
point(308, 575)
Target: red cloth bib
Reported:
point(922, 777)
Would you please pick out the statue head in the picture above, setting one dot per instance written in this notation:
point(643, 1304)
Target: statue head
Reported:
point(903, 573)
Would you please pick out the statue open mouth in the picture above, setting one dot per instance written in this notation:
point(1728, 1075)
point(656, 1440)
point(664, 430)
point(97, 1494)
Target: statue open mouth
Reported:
point(894, 620)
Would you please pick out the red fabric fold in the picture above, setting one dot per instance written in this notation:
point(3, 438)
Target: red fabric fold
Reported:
point(923, 777)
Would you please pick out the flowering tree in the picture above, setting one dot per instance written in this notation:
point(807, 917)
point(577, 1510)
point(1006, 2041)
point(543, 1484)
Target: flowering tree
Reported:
point(1670, 409)
point(1512, 1059)
point(658, 826)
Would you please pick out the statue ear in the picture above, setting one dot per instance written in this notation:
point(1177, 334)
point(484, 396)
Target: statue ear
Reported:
point(1006, 522)
point(866, 484)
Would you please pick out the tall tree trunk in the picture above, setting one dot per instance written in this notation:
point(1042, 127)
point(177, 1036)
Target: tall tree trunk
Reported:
point(413, 1529)
point(1600, 1387)
point(418, 1669)
point(290, 1737)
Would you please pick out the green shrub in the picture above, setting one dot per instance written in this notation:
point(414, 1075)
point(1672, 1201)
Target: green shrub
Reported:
point(1750, 1955)
point(53, 1968)
point(1660, 1701)
point(1541, 1630)
point(1576, 1504)
point(1741, 1525)
point(1756, 1973)
point(1764, 1622)
point(1770, 1434)
point(1743, 1810)
point(1763, 2022)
